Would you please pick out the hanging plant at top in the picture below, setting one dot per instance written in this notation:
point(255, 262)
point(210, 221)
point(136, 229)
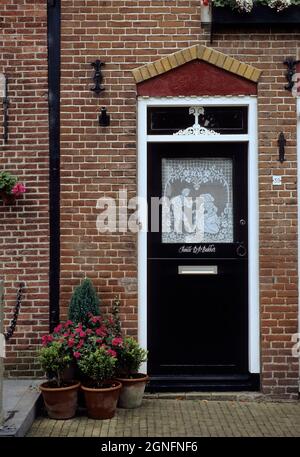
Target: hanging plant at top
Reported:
point(246, 6)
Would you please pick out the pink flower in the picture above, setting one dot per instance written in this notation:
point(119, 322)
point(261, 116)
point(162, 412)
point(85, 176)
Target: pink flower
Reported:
point(80, 344)
point(47, 339)
point(58, 328)
point(89, 331)
point(71, 342)
point(82, 334)
point(100, 332)
point(18, 189)
point(44, 340)
point(68, 323)
point(77, 355)
point(95, 319)
point(117, 341)
point(111, 352)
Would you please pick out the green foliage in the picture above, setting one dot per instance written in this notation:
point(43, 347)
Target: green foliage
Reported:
point(130, 357)
point(233, 3)
point(116, 317)
point(54, 360)
point(84, 302)
point(98, 365)
point(7, 181)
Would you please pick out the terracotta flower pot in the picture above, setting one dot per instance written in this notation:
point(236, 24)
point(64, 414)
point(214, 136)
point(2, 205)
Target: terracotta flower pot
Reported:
point(102, 403)
point(60, 402)
point(132, 391)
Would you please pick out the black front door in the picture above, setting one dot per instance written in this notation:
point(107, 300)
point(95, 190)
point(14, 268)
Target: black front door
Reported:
point(198, 268)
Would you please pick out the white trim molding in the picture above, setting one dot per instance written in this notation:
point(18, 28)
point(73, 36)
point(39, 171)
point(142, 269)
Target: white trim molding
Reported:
point(298, 196)
point(253, 206)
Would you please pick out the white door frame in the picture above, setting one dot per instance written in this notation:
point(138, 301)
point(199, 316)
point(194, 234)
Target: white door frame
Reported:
point(253, 206)
point(298, 196)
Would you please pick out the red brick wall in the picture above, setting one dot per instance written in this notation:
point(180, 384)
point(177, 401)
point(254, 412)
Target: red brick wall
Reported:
point(24, 226)
point(278, 205)
point(98, 161)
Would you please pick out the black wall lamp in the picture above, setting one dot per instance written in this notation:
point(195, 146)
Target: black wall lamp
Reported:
point(281, 147)
point(104, 118)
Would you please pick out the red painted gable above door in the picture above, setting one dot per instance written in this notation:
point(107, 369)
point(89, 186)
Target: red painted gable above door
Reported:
point(197, 70)
point(196, 78)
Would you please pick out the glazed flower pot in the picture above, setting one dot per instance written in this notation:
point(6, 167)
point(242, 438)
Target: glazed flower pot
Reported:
point(132, 391)
point(60, 402)
point(102, 403)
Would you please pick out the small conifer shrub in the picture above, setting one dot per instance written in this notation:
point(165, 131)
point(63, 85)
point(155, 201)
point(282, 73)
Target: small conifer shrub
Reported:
point(84, 302)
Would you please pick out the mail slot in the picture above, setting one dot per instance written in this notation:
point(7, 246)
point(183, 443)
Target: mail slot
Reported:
point(197, 269)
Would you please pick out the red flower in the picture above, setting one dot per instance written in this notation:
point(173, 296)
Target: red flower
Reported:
point(89, 331)
point(68, 323)
point(77, 355)
point(80, 344)
point(82, 334)
point(71, 342)
point(100, 332)
point(44, 340)
point(58, 328)
point(205, 2)
point(111, 352)
point(117, 341)
point(18, 189)
point(95, 319)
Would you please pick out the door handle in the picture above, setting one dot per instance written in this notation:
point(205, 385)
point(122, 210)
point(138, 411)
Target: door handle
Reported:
point(197, 269)
point(241, 250)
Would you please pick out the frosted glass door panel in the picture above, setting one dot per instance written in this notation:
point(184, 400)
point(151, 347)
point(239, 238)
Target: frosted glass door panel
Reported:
point(197, 207)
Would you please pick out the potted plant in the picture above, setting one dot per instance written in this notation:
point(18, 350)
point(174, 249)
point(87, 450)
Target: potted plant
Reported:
point(10, 187)
point(254, 12)
point(73, 337)
point(130, 357)
point(101, 392)
point(60, 396)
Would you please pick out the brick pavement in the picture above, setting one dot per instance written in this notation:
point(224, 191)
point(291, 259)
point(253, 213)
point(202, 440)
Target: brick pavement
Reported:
point(183, 417)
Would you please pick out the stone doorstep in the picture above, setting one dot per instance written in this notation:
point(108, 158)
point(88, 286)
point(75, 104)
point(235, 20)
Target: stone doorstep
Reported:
point(20, 416)
point(215, 396)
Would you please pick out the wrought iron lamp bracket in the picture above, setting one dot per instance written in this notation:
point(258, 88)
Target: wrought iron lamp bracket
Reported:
point(291, 71)
point(98, 76)
point(281, 146)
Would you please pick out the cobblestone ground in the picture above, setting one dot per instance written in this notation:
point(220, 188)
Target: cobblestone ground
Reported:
point(183, 418)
